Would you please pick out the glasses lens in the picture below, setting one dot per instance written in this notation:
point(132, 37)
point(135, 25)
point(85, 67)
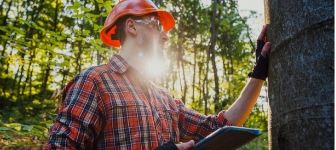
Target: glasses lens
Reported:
point(157, 25)
point(153, 22)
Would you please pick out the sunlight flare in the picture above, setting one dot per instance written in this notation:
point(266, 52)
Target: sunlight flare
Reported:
point(157, 67)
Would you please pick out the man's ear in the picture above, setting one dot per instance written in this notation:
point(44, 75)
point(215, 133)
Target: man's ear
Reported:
point(130, 27)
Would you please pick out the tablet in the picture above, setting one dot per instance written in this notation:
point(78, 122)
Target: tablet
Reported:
point(227, 138)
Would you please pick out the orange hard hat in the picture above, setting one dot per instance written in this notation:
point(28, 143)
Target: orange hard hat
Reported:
point(134, 8)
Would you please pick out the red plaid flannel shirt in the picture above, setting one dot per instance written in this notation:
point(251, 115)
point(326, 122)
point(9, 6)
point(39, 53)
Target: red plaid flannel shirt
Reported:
point(107, 107)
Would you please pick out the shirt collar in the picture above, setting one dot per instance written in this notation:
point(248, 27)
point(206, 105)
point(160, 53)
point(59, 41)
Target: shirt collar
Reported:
point(118, 64)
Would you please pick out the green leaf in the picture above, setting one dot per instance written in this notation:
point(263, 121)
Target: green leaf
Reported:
point(27, 127)
point(4, 129)
point(36, 102)
point(16, 126)
point(85, 9)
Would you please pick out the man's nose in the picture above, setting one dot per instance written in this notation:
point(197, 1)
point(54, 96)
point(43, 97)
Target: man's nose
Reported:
point(164, 37)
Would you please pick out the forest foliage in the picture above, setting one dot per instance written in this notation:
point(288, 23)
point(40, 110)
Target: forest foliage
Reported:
point(45, 43)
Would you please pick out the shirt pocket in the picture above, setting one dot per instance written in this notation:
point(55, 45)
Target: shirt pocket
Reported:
point(169, 123)
point(125, 106)
point(130, 121)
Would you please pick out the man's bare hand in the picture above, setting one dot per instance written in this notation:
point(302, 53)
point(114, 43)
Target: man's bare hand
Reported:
point(186, 146)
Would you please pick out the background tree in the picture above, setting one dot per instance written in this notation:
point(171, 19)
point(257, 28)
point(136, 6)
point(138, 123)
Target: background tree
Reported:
point(301, 76)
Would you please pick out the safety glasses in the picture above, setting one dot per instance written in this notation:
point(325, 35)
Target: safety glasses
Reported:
point(152, 21)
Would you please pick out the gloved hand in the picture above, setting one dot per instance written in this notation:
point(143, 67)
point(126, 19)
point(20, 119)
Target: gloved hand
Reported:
point(260, 70)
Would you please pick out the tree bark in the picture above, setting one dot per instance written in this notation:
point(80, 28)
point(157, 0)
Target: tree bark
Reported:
point(200, 83)
point(301, 74)
point(1, 7)
point(213, 54)
point(185, 87)
point(29, 70)
point(194, 74)
point(205, 84)
point(4, 23)
point(50, 56)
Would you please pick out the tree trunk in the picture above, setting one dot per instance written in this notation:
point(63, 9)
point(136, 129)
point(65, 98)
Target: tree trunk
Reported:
point(1, 7)
point(194, 74)
point(20, 79)
point(50, 56)
point(206, 87)
point(185, 87)
point(200, 83)
point(4, 23)
point(213, 55)
point(301, 75)
point(28, 73)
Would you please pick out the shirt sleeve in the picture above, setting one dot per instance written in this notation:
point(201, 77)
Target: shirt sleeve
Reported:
point(196, 126)
point(79, 120)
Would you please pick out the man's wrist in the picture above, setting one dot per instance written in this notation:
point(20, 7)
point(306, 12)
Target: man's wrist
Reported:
point(256, 80)
point(260, 70)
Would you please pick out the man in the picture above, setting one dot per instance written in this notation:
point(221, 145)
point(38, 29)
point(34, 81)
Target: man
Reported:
point(116, 106)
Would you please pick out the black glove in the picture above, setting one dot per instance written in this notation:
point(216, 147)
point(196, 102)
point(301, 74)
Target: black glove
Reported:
point(167, 146)
point(260, 70)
